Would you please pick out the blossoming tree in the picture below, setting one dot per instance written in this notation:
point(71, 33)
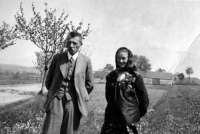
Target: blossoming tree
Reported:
point(48, 33)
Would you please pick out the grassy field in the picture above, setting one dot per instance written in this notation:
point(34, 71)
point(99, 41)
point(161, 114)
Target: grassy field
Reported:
point(13, 79)
point(18, 81)
point(172, 110)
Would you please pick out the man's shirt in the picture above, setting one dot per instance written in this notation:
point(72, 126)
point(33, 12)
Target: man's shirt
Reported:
point(75, 56)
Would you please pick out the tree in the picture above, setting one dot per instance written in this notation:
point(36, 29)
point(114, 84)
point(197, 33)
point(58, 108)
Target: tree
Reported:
point(160, 70)
point(101, 74)
point(24, 72)
point(135, 59)
point(189, 71)
point(109, 67)
point(17, 73)
point(86, 51)
point(181, 76)
point(7, 72)
point(40, 64)
point(142, 63)
point(7, 36)
point(48, 34)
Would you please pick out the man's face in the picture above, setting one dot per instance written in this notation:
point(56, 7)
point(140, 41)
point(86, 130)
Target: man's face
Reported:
point(73, 44)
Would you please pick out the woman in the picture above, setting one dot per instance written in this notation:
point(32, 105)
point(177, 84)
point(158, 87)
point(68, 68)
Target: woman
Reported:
point(126, 95)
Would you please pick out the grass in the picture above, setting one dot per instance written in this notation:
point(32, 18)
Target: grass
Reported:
point(18, 81)
point(176, 110)
point(93, 124)
point(24, 117)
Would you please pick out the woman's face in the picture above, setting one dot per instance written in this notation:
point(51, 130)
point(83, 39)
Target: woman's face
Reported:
point(122, 58)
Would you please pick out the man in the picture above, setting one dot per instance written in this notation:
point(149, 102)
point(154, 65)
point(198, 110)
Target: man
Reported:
point(69, 82)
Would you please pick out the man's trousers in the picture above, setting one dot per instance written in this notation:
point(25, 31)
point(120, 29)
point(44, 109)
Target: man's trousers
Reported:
point(63, 117)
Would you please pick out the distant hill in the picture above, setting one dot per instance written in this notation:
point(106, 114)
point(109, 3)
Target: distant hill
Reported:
point(17, 68)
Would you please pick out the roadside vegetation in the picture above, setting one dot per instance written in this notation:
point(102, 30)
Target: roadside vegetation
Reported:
point(177, 112)
point(174, 111)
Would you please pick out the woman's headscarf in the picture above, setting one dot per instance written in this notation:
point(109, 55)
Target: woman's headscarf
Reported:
point(130, 66)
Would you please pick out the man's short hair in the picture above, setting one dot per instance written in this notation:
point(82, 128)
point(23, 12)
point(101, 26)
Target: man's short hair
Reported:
point(75, 34)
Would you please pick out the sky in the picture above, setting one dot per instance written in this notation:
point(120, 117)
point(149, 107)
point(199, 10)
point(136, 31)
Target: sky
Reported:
point(161, 30)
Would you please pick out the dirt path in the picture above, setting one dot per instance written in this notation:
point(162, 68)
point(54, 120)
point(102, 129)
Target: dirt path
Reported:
point(7, 98)
point(22, 87)
point(98, 101)
point(14, 93)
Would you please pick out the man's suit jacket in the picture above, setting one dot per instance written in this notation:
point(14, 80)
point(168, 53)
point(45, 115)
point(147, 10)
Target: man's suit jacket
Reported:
point(83, 80)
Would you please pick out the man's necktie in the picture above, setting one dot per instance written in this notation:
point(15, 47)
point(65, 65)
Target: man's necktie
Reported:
point(71, 66)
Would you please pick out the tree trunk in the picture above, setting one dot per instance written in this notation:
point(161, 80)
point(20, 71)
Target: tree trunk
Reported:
point(189, 79)
point(42, 91)
point(41, 76)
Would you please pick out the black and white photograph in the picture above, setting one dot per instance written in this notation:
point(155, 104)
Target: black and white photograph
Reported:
point(99, 67)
